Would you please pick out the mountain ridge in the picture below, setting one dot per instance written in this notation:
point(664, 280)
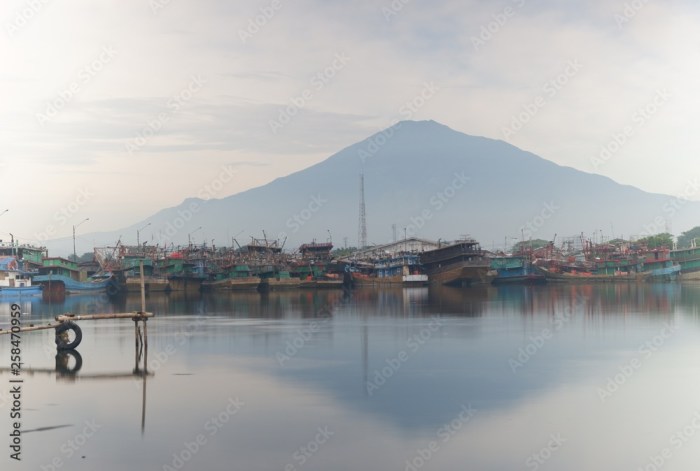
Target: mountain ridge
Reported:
point(495, 191)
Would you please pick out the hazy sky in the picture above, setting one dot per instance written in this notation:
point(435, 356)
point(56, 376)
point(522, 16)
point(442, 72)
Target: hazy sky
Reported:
point(114, 109)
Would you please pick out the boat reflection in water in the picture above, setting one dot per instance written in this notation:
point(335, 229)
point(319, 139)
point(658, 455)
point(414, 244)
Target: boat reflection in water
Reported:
point(385, 369)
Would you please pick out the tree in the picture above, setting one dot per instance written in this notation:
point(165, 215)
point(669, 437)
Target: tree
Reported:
point(533, 244)
point(86, 257)
point(663, 239)
point(686, 239)
point(343, 252)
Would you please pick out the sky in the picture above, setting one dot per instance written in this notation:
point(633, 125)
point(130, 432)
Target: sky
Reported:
point(112, 110)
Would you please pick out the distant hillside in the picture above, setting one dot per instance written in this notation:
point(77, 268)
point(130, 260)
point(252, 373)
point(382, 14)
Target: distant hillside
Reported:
point(429, 179)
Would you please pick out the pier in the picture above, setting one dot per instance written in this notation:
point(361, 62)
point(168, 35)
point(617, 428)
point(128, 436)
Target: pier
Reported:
point(69, 334)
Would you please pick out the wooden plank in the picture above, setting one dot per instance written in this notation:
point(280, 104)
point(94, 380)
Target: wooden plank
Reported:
point(95, 376)
point(92, 317)
point(31, 328)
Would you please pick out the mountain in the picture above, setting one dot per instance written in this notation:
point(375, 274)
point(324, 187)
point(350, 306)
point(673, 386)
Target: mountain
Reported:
point(429, 179)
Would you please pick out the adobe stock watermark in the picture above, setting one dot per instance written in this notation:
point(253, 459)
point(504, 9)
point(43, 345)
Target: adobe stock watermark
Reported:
point(550, 89)
point(180, 221)
point(393, 9)
point(72, 446)
point(304, 335)
point(640, 118)
point(498, 20)
point(158, 5)
point(211, 427)
point(394, 364)
point(305, 452)
point(444, 434)
point(84, 76)
point(409, 109)
point(629, 368)
point(376, 142)
point(406, 111)
point(319, 81)
point(180, 338)
point(539, 340)
point(24, 16)
point(630, 10)
point(671, 207)
point(217, 184)
point(259, 21)
point(437, 203)
point(184, 215)
point(531, 227)
point(62, 216)
point(544, 454)
point(298, 220)
point(676, 441)
point(173, 106)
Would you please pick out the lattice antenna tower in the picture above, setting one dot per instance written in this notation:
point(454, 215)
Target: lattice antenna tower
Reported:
point(362, 223)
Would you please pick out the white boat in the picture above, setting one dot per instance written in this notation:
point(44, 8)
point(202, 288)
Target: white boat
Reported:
point(13, 281)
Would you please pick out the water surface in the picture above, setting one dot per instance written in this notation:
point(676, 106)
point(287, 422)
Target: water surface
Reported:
point(551, 377)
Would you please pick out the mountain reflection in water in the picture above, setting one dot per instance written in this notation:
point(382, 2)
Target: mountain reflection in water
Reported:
point(384, 371)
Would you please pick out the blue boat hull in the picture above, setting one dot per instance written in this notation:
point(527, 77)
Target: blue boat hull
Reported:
point(72, 285)
point(665, 274)
point(521, 278)
point(20, 291)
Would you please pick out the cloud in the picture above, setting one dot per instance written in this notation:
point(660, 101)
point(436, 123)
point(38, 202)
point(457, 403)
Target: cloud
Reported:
point(394, 48)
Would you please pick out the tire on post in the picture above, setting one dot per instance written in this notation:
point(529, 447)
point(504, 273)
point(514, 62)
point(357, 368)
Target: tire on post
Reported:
point(63, 336)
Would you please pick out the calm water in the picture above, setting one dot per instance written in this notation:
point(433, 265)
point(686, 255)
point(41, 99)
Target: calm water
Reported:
point(553, 377)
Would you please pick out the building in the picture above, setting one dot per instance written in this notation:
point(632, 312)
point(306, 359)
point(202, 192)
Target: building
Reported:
point(412, 245)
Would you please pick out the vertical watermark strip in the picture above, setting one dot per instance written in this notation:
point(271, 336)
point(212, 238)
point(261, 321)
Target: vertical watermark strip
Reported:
point(16, 383)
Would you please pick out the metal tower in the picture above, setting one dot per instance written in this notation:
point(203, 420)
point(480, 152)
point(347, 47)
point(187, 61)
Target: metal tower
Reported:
point(362, 224)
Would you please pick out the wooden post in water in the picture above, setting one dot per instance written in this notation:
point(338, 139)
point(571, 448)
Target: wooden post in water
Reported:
point(145, 347)
point(145, 336)
point(143, 288)
point(143, 309)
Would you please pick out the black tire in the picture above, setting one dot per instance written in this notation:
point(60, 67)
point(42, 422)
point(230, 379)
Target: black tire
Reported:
point(63, 359)
point(63, 337)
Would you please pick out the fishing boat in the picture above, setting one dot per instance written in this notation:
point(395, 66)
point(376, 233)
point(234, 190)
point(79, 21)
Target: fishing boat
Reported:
point(184, 271)
point(279, 280)
point(236, 278)
point(586, 276)
point(15, 282)
point(689, 261)
point(461, 263)
point(315, 268)
point(62, 275)
point(515, 269)
point(598, 263)
point(151, 284)
point(669, 272)
point(402, 270)
point(661, 266)
point(95, 283)
point(325, 281)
